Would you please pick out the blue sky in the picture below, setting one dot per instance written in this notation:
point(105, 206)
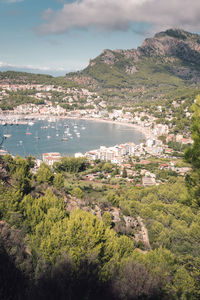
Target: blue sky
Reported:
point(58, 36)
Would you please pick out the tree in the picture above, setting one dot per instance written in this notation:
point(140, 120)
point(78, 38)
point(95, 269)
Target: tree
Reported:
point(124, 173)
point(44, 174)
point(77, 192)
point(22, 181)
point(31, 161)
point(107, 219)
point(107, 167)
point(183, 285)
point(136, 282)
point(115, 172)
point(19, 170)
point(34, 210)
point(80, 236)
point(71, 165)
point(113, 198)
point(58, 181)
point(192, 155)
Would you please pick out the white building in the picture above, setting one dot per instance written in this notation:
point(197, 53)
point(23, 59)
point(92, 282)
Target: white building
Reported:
point(78, 154)
point(51, 158)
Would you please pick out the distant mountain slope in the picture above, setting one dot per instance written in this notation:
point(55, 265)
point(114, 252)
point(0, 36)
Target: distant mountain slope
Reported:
point(168, 61)
point(16, 77)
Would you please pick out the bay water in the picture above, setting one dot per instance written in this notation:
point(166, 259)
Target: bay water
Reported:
point(66, 136)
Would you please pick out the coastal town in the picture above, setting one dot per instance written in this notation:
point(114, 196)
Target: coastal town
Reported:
point(100, 161)
point(159, 142)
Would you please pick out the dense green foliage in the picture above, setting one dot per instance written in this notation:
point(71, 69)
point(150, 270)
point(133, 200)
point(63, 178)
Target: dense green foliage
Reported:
point(24, 77)
point(51, 249)
point(71, 165)
point(154, 75)
point(192, 155)
point(18, 98)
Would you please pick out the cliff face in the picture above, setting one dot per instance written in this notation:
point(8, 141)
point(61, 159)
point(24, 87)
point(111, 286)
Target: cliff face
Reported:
point(169, 44)
point(170, 58)
point(173, 43)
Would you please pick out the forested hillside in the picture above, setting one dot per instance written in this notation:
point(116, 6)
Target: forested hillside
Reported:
point(59, 239)
point(14, 77)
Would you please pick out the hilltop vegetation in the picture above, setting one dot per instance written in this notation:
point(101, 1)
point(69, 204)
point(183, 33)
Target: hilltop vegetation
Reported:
point(14, 77)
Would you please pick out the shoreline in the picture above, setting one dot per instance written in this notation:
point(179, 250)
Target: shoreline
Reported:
point(139, 128)
point(144, 130)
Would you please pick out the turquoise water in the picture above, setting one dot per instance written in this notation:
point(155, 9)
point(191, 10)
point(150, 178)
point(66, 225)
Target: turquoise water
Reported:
point(40, 140)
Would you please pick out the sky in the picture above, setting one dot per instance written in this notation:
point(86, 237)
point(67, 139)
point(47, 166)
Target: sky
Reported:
point(60, 36)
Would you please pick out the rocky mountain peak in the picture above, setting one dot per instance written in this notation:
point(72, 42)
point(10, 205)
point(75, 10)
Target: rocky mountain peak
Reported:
point(174, 54)
point(170, 43)
point(177, 34)
point(173, 43)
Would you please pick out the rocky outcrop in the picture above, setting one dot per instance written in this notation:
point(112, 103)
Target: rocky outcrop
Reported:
point(186, 49)
point(171, 43)
point(129, 54)
point(108, 57)
point(131, 70)
point(129, 225)
point(173, 52)
point(143, 234)
point(83, 80)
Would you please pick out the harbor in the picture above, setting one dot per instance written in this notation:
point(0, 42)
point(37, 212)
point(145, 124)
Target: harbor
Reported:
point(66, 136)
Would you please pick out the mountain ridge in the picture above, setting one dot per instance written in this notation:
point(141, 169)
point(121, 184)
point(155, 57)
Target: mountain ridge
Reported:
point(162, 65)
point(160, 43)
point(170, 59)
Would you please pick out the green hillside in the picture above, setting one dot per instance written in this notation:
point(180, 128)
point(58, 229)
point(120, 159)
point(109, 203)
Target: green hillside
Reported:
point(15, 77)
point(165, 63)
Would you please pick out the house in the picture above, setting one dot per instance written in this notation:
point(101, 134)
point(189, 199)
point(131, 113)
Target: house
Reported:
point(51, 158)
point(147, 181)
point(3, 152)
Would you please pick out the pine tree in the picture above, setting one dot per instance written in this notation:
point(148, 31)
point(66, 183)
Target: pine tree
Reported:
point(124, 173)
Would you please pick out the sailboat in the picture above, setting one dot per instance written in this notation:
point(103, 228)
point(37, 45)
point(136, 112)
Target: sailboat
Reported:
point(28, 132)
point(7, 136)
point(64, 138)
point(30, 123)
point(36, 136)
point(57, 129)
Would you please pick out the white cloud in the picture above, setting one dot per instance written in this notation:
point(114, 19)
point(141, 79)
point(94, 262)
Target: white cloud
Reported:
point(67, 66)
point(119, 14)
point(31, 67)
point(10, 1)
